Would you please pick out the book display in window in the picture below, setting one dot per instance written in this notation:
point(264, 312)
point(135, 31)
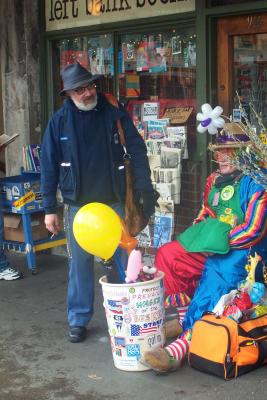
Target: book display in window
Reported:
point(132, 85)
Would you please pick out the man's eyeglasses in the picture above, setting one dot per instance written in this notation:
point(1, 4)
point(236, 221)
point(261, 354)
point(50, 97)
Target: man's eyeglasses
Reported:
point(81, 90)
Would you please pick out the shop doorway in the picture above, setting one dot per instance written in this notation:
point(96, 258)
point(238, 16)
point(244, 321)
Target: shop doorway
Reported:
point(242, 64)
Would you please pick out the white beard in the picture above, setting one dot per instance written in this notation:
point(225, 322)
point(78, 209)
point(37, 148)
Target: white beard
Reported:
point(85, 107)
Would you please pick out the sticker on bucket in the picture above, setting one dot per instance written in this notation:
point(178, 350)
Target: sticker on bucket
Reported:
point(135, 314)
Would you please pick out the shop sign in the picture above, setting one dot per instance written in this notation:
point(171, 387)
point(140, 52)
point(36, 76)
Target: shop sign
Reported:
point(178, 115)
point(62, 14)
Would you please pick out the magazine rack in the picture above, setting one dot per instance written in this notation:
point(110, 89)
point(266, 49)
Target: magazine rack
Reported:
point(21, 199)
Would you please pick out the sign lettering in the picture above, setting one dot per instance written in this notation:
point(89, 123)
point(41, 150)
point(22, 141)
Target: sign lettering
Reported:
point(62, 14)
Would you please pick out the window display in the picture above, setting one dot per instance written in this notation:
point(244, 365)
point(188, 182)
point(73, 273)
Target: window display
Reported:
point(163, 65)
point(93, 52)
point(250, 76)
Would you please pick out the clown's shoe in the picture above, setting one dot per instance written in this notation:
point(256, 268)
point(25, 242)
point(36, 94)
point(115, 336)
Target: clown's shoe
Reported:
point(160, 361)
point(172, 329)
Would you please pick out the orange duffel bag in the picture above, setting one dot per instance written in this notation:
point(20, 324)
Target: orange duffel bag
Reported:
point(220, 346)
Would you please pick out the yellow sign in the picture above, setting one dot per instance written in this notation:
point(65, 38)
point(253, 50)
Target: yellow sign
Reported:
point(30, 196)
point(263, 137)
point(63, 14)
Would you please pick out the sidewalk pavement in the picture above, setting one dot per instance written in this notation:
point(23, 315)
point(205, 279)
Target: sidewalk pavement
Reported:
point(38, 363)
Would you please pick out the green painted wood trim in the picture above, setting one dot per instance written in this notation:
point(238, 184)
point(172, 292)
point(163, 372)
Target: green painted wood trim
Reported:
point(200, 153)
point(241, 8)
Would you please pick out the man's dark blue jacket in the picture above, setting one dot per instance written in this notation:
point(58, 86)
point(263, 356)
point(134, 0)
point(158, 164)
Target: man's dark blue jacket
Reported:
point(81, 152)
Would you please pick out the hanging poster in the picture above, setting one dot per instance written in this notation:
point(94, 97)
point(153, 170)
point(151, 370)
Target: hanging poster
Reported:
point(142, 62)
point(176, 45)
point(73, 56)
point(129, 56)
point(163, 228)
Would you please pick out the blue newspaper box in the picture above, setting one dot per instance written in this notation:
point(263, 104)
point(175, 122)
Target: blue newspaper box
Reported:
point(21, 193)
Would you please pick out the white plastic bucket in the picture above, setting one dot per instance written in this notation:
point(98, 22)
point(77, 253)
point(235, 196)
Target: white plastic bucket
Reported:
point(135, 314)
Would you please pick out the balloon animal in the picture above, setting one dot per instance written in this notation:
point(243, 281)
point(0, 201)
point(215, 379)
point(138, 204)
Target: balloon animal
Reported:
point(210, 119)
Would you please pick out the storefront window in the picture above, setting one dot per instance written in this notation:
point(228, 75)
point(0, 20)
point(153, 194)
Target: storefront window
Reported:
point(250, 73)
point(157, 66)
point(94, 53)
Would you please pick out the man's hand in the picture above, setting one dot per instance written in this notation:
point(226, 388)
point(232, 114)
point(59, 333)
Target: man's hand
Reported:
point(148, 198)
point(52, 223)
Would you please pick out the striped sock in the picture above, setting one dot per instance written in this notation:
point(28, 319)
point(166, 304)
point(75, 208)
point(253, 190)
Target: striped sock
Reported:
point(178, 300)
point(181, 313)
point(178, 348)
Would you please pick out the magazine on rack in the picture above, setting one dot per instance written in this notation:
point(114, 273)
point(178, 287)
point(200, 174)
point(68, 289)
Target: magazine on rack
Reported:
point(154, 164)
point(169, 191)
point(170, 157)
point(166, 190)
point(174, 132)
point(179, 142)
point(154, 147)
point(156, 129)
point(163, 223)
point(6, 139)
point(150, 111)
point(144, 237)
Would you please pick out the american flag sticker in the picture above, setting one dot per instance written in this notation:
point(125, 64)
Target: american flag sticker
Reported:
point(137, 330)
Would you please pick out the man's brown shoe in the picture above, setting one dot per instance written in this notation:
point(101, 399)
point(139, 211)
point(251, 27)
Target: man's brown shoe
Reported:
point(160, 361)
point(172, 329)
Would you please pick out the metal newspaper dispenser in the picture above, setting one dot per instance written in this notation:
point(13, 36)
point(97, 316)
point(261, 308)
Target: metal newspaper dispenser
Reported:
point(23, 216)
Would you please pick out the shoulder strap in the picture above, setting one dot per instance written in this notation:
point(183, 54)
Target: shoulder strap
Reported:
point(114, 102)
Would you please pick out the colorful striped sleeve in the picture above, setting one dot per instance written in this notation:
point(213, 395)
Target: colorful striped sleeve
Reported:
point(205, 209)
point(254, 227)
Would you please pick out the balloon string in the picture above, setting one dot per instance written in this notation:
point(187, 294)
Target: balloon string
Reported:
point(119, 267)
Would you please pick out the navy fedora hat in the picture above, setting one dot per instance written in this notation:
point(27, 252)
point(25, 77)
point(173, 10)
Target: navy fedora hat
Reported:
point(75, 76)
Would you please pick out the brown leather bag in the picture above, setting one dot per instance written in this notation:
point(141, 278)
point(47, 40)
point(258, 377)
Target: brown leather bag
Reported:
point(134, 217)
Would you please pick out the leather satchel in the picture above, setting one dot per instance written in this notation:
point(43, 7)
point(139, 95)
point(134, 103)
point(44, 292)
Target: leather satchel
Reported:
point(134, 218)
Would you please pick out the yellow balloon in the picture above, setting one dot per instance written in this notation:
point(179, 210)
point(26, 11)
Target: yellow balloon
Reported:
point(97, 228)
